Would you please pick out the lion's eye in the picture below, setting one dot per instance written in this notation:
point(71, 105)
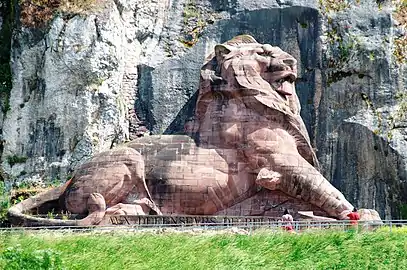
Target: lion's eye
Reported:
point(265, 53)
point(280, 81)
point(289, 79)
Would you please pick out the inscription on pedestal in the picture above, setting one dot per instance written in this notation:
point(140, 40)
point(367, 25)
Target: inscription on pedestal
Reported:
point(186, 220)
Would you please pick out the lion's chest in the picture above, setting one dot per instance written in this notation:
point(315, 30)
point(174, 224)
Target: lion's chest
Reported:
point(197, 181)
point(227, 122)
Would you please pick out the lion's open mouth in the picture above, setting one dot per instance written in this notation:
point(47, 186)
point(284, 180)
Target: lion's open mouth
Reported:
point(282, 82)
point(283, 96)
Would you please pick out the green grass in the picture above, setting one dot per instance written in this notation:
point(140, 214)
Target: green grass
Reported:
point(262, 250)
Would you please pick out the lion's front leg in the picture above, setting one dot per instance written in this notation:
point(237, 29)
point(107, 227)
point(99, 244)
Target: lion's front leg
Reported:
point(136, 208)
point(139, 207)
point(274, 153)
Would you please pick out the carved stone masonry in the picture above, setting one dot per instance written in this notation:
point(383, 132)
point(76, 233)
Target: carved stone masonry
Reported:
point(247, 153)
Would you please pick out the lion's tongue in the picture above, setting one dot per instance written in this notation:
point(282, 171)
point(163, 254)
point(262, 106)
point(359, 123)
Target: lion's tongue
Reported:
point(286, 88)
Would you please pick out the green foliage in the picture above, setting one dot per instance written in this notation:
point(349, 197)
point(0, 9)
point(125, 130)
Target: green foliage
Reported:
point(384, 125)
point(51, 215)
point(4, 204)
point(21, 192)
point(16, 258)
point(17, 194)
point(2, 188)
point(402, 102)
point(383, 249)
point(343, 44)
point(397, 115)
point(327, 6)
point(400, 44)
point(37, 13)
point(196, 18)
point(371, 56)
point(303, 24)
point(345, 48)
point(403, 211)
point(400, 51)
point(190, 11)
point(14, 159)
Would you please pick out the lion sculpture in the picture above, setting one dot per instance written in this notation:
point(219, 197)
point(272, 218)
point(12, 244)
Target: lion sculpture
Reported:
point(246, 137)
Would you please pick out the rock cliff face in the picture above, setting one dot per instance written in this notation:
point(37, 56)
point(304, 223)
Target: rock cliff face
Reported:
point(131, 68)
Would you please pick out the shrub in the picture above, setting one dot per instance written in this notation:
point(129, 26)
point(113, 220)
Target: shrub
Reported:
point(4, 204)
point(18, 259)
point(14, 159)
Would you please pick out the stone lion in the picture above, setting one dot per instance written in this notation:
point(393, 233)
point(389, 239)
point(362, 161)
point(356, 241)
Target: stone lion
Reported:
point(248, 137)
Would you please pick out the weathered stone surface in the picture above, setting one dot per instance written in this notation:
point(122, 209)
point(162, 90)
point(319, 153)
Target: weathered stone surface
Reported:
point(348, 85)
point(249, 135)
point(368, 214)
point(359, 144)
point(74, 89)
point(61, 96)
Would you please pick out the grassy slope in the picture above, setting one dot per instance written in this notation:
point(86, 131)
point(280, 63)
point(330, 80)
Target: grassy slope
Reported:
point(328, 250)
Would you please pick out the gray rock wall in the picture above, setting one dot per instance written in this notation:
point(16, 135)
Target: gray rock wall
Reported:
point(93, 81)
point(74, 88)
point(359, 134)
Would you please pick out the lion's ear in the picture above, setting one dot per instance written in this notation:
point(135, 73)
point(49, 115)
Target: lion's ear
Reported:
point(221, 50)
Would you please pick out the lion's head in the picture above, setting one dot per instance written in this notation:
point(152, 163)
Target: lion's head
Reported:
point(244, 81)
point(243, 67)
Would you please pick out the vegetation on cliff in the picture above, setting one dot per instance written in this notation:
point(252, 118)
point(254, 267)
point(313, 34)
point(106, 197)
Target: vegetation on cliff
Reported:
point(400, 14)
point(261, 250)
point(14, 195)
point(37, 13)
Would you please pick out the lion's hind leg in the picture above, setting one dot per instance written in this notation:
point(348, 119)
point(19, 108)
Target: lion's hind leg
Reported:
point(96, 208)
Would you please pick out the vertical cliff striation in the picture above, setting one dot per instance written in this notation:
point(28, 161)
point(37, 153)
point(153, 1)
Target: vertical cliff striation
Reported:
point(7, 20)
point(85, 82)
point(360, 133)
point(74, 83)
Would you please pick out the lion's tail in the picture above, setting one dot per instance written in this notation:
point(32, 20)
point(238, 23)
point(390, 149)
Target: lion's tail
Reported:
point(17, 212)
